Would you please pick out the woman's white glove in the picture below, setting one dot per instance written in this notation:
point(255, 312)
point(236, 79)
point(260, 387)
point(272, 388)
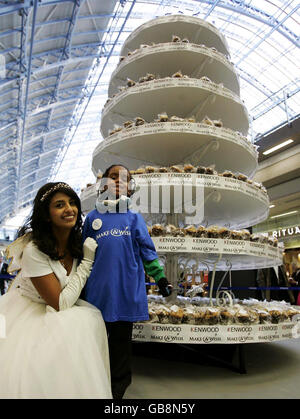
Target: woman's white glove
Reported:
point(89, 249)
point(70, 294)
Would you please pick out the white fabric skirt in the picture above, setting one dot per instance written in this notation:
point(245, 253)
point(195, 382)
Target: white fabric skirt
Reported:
point(49, 354)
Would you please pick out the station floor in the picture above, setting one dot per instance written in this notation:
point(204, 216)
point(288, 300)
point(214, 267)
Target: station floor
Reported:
point(168, 371)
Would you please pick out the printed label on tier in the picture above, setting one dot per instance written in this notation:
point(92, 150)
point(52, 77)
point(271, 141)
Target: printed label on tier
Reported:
point(205, 334)
point(234, 246)
point(179, 127)
point(205, 245)
point(202, 180)
point(210, 245)
point(173, 83)
point(169, 47)
point(256, 249)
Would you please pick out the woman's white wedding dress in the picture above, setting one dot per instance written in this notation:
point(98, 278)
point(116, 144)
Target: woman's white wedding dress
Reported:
point(45, 353)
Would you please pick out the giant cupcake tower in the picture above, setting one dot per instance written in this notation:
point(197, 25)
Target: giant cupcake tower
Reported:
point(175, 118)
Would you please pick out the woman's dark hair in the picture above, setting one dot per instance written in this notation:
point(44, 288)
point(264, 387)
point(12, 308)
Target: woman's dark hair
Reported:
point(106, 174)
point(40, 227)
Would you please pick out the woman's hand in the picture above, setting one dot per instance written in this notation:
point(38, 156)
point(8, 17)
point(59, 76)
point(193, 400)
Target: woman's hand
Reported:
point(89, 249)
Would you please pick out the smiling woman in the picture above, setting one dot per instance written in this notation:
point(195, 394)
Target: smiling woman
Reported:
point(63, 214)
point(54, 205)
point(56, 343)
point(63, 211)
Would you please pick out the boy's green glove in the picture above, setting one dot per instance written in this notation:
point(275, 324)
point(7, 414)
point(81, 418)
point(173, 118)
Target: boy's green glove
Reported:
point(164, 287)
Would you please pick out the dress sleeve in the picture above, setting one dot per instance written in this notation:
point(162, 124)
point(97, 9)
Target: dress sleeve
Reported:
point(34, 262)
point(147, 248)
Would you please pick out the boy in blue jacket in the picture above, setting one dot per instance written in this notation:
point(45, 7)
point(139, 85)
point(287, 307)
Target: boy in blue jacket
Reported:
point(116, 285)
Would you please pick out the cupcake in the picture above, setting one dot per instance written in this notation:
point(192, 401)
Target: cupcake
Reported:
point(176, 314)
point(158, 230)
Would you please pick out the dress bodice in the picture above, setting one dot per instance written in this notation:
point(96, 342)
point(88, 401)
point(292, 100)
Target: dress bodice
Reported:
point(35, 263)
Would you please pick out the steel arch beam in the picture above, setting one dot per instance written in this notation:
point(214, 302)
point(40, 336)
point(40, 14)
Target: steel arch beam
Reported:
point(35, 6)
point(7, 9)
point(274, 28)
point(257, 14)
point(66, 143)
point(261, 88)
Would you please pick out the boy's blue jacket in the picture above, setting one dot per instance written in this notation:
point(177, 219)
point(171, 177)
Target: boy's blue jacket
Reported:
point(117, 281)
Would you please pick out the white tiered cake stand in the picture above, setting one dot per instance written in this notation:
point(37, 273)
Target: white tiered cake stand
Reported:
point(228, 202)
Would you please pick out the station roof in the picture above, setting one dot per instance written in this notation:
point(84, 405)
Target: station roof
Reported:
point(56, 58)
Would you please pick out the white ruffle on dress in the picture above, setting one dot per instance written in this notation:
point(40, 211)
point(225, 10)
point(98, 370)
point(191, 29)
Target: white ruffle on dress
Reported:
point(45, 353)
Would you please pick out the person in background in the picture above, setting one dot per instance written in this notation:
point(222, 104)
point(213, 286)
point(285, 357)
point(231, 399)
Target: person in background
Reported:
point(55, 345)
point(117, 282)
point(3, 274)
point(294, 281)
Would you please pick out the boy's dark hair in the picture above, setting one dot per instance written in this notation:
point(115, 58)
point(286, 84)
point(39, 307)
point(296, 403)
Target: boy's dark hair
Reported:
point(40, 227)
point(105, 176)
